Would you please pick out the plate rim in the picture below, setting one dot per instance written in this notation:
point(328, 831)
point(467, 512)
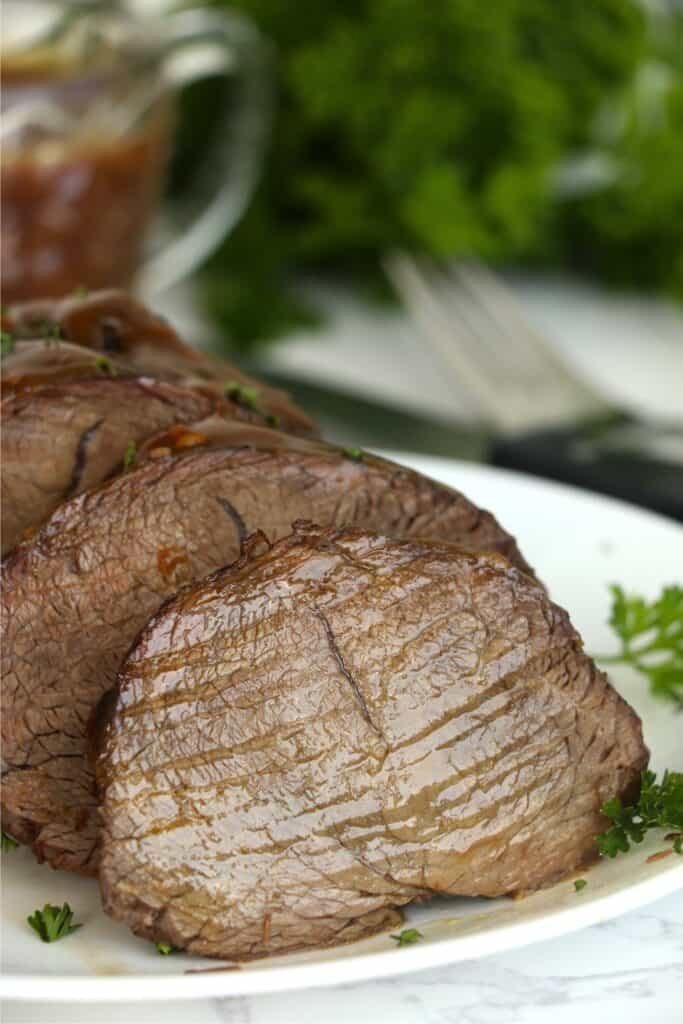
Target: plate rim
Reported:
point(117, 988)
point(411, 459)
point(356, 969)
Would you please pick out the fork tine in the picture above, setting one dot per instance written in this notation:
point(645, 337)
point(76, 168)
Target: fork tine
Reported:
point(529, 383)
point(519, 386)
point(472, 320)
point(511, 320)
point(497, 351)
point(417, 290)
point(557, 394)
point(447, 316)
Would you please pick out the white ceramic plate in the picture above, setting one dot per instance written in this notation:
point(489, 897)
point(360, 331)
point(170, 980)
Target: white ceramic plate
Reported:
point(579, 543)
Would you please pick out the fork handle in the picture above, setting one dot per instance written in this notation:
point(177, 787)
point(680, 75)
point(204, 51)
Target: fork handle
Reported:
point(618, 455)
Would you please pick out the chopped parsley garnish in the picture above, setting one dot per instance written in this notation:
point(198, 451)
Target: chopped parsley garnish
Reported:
point(51, 333)
point(106, 366)
point(248, 398)
point(407, 937)
point(52, 923)
point(353, 453)
point(81, 292)
point(7, 843)
point(6, 343)
point(660, 805)
point(580, 884)
point(242, 395)
point(130, 456)
point(165, 949)
point(651, 636)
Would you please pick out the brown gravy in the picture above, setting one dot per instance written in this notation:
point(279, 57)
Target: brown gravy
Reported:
point(75, 212)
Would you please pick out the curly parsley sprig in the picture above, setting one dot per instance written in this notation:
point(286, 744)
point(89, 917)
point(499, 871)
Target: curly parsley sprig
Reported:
point(52, 923)
point(651, 636)
point(660, 805)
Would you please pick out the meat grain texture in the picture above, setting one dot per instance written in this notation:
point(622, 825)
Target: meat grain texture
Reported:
point(68, 435)
point(76, 595)
point(326, 732)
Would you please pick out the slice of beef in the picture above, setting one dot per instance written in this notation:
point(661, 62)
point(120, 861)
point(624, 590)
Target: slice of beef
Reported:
point(76, 595)
point(114, 324)
point(67, 425)
point(323, 733)
point(37, 364)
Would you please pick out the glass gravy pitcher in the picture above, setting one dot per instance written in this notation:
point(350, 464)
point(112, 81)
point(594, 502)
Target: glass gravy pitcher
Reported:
point(87, 131)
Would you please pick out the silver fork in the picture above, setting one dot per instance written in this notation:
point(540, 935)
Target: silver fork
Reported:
point(505, 372)
point(542, 417)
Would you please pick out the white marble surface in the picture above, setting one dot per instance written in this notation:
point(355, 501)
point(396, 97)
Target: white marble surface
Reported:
point(628, 970)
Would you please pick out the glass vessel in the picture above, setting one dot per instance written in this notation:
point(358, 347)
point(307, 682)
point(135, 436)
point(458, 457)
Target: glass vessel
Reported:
point(87, 130)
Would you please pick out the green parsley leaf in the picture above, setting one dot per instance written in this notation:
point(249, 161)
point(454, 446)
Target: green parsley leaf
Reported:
point(165, 949)
point(130, 456)
point(580, 884)
point(248, 398)
point(353, 453)
point(6, 343)
point(407, 937)
point(105, 366)
point(660, 805)
point(52, 923)
point(651, 635)
point(7, 843)
point(81, 292)
point(241, 394)
point(50, 332)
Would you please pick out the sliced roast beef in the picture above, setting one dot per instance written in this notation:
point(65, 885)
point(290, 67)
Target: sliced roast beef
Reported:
point(77, 594)
point(32, 365)
point(113, 324)
point(67, 425)
point(323, 733)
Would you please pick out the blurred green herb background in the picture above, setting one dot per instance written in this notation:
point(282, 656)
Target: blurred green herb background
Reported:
point(443, 127)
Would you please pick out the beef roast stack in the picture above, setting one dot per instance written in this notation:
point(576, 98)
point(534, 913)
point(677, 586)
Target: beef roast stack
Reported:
point(267, 689)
